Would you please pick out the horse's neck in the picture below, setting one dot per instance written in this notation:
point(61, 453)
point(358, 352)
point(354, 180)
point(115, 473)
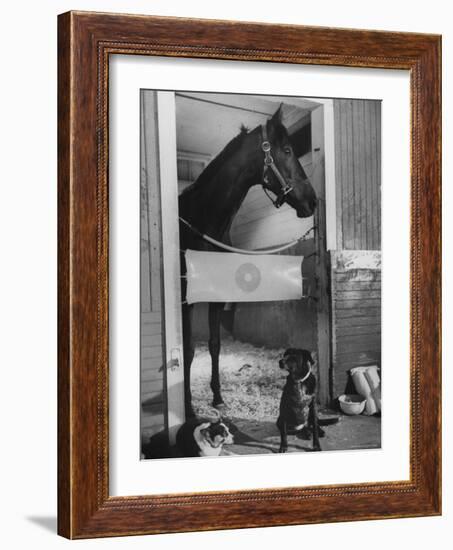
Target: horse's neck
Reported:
point(215, 204)
point(228, 198)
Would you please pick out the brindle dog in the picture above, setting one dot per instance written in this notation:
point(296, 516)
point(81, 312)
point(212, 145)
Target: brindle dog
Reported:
point(298, 406)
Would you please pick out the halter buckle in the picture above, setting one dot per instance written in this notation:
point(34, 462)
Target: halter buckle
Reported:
point(287, 189)
point(266, 146)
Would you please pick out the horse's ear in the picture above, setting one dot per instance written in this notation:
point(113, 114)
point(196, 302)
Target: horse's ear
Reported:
point(278, 115)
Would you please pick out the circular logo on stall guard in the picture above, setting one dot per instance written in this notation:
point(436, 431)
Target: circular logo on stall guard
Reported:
point(248, 277)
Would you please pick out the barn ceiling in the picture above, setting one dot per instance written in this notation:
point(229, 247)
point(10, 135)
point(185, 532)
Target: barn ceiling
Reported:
point(206, 122)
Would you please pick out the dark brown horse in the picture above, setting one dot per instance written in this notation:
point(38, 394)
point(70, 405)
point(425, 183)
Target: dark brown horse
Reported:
point(264, 157)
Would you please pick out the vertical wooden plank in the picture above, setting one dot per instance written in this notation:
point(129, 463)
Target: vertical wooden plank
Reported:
point(321, 267)
point(366, 177)
point(346, 180)
point(145, 286)
point(353, 194)
point(358, 174)
point(367, 105)
point(369, 174)
point(350, 188)
point(374, 195)
point(171, 268)
point(153, 195)
point(378, 106)
point(363, 176)
point(339, 146)
point(153, 397)
point(329, 164)
point(323, 306)
point(317, 140)
point(333, 325)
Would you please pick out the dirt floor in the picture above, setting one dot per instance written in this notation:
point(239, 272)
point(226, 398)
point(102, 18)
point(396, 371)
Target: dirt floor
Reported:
point(251, 388)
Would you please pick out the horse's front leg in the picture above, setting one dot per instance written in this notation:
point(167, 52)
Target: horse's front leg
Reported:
point(215, 311)
point(189, 352)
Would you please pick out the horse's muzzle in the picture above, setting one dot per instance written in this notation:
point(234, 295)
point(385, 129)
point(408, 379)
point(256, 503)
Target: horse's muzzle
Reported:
point(306, 211)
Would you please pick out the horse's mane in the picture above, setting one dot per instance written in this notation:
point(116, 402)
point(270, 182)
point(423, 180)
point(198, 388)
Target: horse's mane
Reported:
point(214, 166)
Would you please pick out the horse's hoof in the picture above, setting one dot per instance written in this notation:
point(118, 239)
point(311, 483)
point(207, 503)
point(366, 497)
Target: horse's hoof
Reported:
point(283, 450)
point(218, 404)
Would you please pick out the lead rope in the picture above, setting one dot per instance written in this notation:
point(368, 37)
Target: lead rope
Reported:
point(241, 250)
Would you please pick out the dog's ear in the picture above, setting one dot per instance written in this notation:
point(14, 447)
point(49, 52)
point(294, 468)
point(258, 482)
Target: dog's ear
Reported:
point(229, 438)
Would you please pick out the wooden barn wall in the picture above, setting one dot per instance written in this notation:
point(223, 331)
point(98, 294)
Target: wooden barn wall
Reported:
point(356, 313)
point(152, 415)
point(355, 266)
point(358, 173)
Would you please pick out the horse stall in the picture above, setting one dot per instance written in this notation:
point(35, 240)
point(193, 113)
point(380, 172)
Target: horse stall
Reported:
point(254, 335)
point(337, 316)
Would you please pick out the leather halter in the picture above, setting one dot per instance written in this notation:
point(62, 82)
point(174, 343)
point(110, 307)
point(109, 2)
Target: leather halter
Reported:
point(270, 164)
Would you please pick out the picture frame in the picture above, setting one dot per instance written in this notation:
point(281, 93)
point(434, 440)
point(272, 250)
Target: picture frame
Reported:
point(85, 507)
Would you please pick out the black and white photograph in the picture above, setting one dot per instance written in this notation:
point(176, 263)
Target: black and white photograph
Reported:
point(225, 297)
point(260, 274)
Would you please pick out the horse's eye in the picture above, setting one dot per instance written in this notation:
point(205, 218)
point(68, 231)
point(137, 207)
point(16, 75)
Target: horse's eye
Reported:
point(287, 151)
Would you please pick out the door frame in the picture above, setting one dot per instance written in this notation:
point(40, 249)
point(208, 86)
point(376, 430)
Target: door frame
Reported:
point(323, 159)
point(171, 271)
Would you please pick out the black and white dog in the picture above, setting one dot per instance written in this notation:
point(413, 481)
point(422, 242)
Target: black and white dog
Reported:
point(298, 405)
point(197, 437)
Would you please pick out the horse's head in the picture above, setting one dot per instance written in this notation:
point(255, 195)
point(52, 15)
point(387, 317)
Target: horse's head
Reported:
point(284, 175)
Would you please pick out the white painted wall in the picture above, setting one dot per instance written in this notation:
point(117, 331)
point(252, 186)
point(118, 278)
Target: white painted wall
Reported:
point(28, 278)
point(258, 224)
